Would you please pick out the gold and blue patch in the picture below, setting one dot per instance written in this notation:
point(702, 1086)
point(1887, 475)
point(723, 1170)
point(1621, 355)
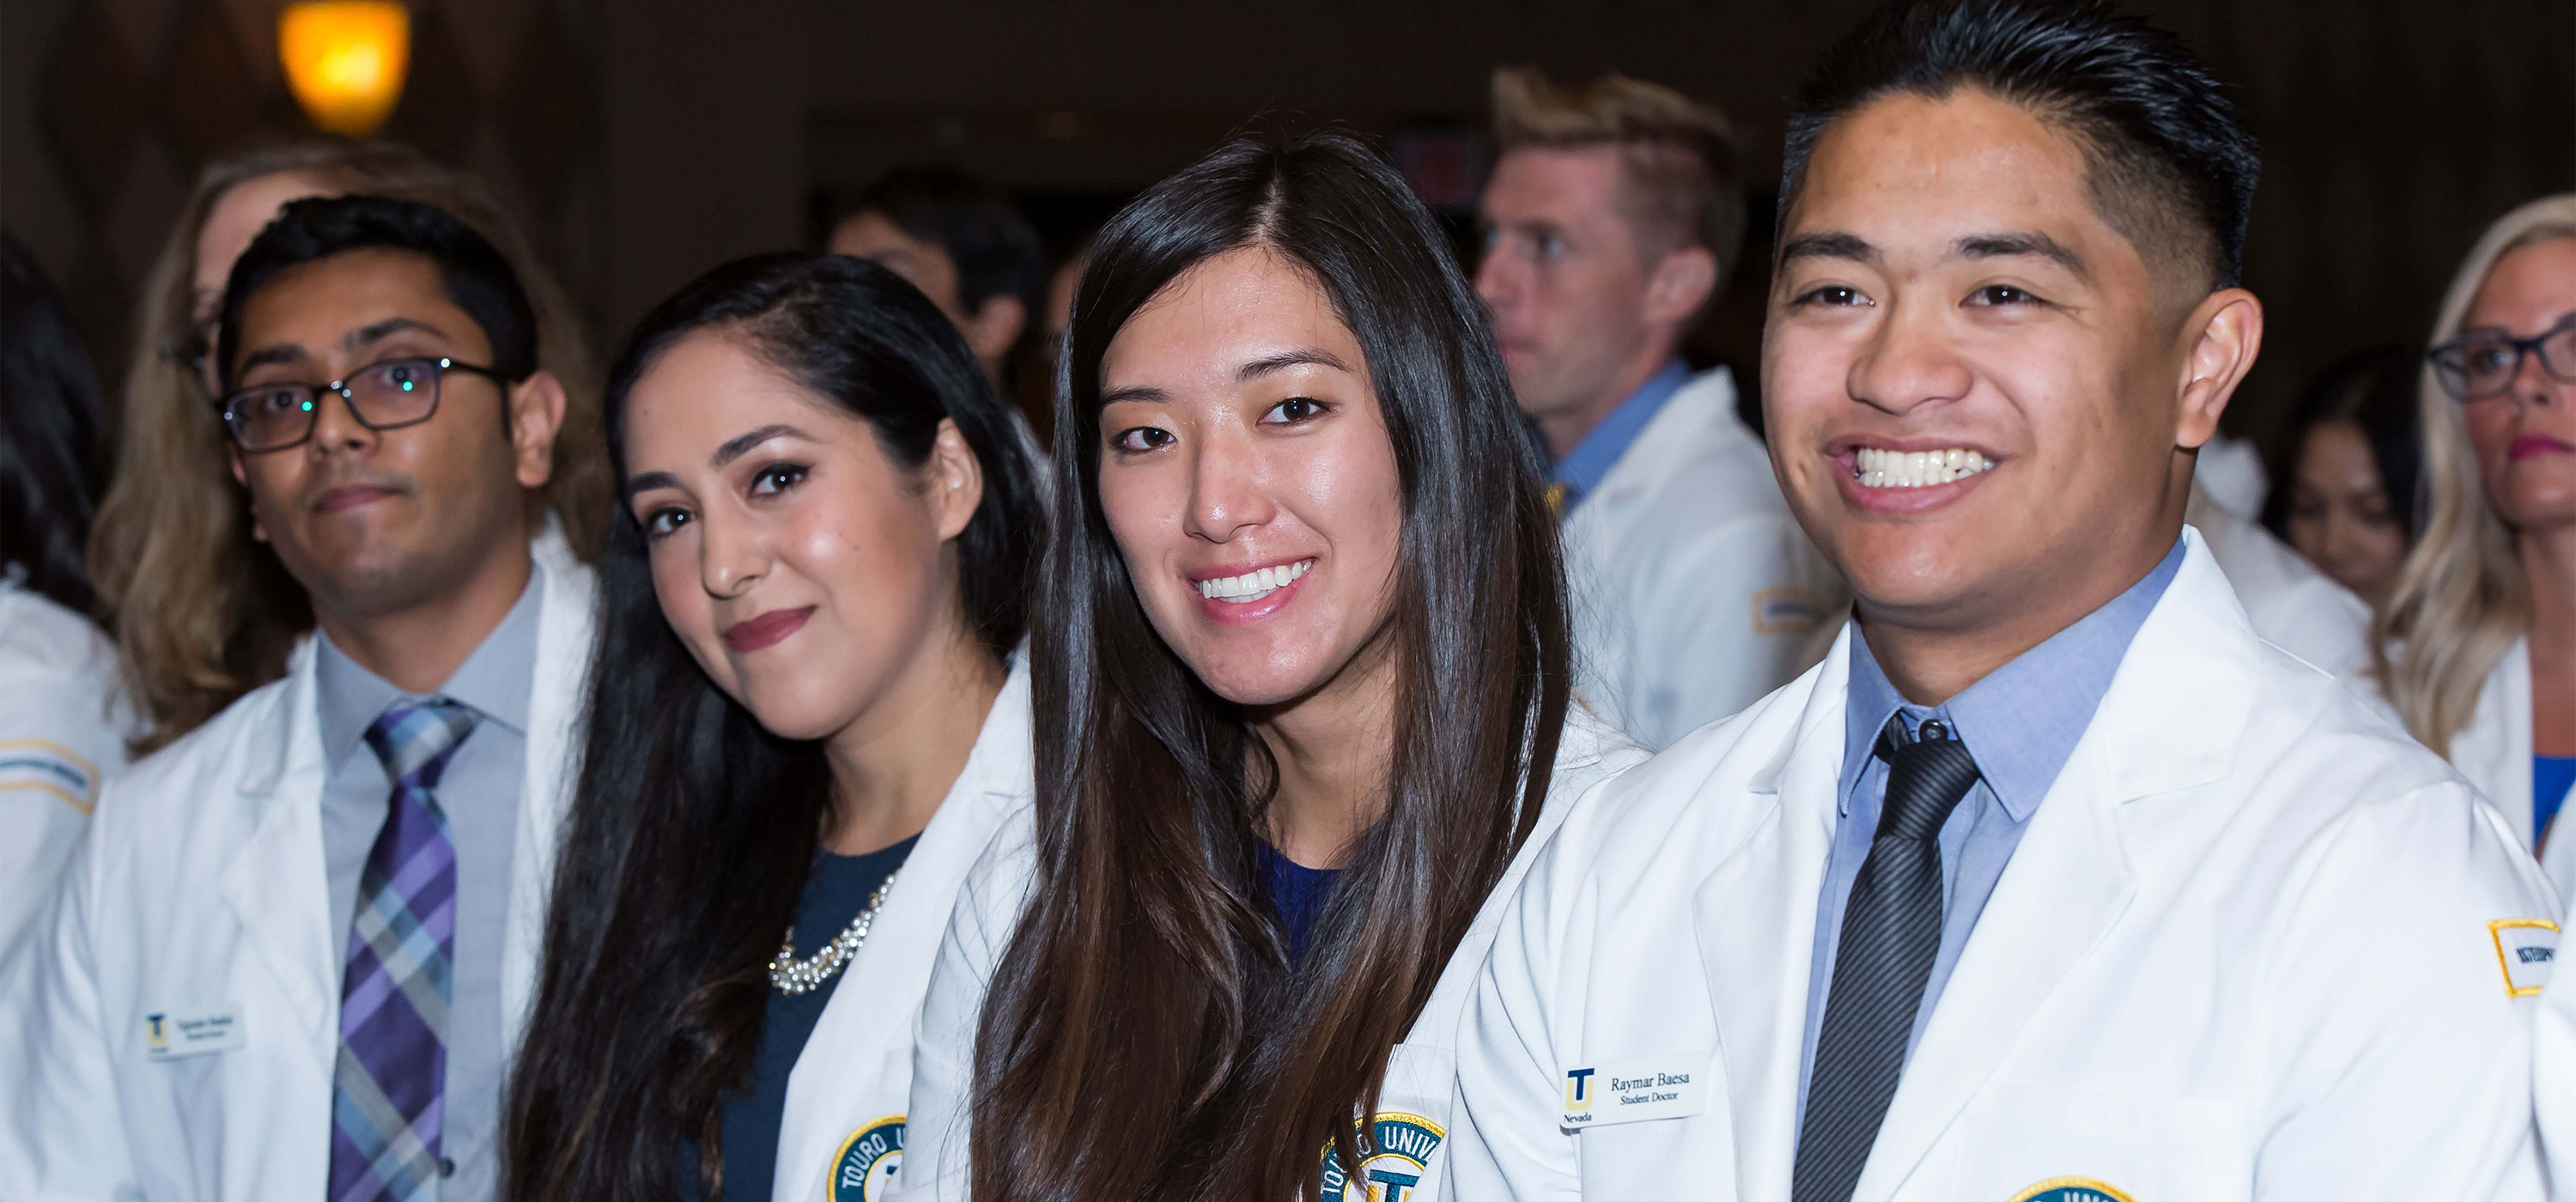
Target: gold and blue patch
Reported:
point(2071, 1189)
point(45, 766)
point(1395, 1155)
point(864, 1169)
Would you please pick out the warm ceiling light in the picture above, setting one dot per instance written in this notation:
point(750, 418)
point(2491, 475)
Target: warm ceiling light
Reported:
point(345, 60)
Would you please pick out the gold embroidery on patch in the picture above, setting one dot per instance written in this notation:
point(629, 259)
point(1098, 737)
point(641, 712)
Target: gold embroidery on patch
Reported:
point(2495, 931)
point(2057, 1189)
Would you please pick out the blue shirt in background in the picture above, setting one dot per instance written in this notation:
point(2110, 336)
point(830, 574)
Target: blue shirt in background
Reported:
point(2551, 776)
point(2020, 723)
point(1583, 468)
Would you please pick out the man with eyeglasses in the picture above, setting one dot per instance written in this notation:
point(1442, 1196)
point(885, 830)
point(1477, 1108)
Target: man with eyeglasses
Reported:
point(290, 958)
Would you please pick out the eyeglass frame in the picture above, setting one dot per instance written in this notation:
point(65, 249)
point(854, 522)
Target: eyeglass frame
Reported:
point(2523, 350)
point(441, 364)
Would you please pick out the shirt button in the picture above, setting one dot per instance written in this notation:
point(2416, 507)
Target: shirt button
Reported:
point(446, 1167)
point(1932, 731)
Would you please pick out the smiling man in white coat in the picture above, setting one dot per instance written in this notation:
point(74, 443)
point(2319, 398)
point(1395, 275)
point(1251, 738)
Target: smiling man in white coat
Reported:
point(2054, 881)
point(1613, 217)
point(293, 952)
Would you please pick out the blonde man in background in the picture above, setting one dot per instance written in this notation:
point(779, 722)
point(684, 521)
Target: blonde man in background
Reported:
point(1613, 216)
point(203, 612)
point(2477, 642)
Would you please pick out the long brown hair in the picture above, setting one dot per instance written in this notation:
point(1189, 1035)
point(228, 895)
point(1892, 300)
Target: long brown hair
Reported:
point(201, 611)
point(1146, 1034)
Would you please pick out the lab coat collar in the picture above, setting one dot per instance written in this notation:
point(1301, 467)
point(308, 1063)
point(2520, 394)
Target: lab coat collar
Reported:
point(2171, 721)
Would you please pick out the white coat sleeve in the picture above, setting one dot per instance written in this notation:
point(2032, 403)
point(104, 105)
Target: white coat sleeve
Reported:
point(1507, 1140)
point(2399, 1055)
point(937, 1122)
point(59, 739)
point(2553, 1084)
point(1729, 615)
point(61, 1134)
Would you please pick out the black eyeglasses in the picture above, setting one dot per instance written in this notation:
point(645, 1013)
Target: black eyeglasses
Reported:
point(2475, 367)
point(382, 396)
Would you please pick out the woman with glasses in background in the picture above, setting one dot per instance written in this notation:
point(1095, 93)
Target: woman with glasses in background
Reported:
point(2477, 641)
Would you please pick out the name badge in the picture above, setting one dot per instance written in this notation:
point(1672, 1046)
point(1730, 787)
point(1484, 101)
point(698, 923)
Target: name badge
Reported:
point(178, 1034)
point(1637, 1089)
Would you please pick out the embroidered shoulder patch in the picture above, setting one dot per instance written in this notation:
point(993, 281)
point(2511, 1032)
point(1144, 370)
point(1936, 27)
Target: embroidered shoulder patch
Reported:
point(2071, 1189)
point(2525, 948)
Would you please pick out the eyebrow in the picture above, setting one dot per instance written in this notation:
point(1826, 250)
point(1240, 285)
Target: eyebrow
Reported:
point(387, 328)
point(733, 448)
point(1284, 360)
point(1832, 244)
point(1135, 392)
point(2017, 243)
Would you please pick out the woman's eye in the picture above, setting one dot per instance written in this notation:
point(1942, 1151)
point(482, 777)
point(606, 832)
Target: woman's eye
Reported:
point(1141, 439)
point(663, 522)
point(2001, 294)
point(777, 478)
point(1294, 410)
point(1831, 295)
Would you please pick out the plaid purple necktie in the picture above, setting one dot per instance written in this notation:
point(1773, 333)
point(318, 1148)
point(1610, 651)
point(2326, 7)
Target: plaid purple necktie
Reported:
point(386, 1115)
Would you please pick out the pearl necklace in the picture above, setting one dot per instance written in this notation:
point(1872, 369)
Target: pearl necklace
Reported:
point(791, 976)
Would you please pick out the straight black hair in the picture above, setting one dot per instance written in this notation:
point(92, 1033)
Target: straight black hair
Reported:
point(1146, 1034)
point(995, 248)
point(53, 461)
point(477, 276)
point(692, 828)
point(2170, 165)
point(2375, 390)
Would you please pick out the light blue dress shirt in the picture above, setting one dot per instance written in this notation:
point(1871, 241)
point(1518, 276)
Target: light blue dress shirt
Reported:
point(1584, 467)
point(2019, 723)
point(480, 792)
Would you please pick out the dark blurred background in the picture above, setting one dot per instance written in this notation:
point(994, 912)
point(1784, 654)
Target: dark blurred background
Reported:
point(645, 140)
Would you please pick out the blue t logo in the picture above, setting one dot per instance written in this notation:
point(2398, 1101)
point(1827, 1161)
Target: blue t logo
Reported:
point(1578, 1087)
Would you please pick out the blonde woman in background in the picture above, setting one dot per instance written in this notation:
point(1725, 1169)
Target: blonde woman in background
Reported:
point(2478, 640)
point(203, 612)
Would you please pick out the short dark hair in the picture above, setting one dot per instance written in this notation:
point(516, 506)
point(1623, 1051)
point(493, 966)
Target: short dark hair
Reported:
point(995, 248)
point(2169, 164)
point(53, 437)
point(477, 277)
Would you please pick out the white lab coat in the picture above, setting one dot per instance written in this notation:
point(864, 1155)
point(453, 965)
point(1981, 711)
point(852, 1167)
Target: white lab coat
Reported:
point(1694, 590)
point(1417, 1095)
point(2243, 951)
point(195, 915)
point(2494, 752)
point(2293, 605)
point(63, 725)
point(843, 1135)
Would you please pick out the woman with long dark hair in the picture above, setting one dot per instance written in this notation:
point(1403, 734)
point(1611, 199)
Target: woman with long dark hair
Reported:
point(803, 721)
point(1301, 699)
point(62, 718)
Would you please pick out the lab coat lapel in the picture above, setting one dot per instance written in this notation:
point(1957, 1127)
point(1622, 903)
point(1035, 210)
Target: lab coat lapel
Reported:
point(856, 1067)
point(2170, 721)
point(1756, 917)
point(553, 742)
point(274, 882)
point(1674, 436)
point(2494, 749)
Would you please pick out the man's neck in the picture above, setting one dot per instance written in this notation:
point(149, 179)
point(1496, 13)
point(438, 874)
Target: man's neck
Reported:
point(417, 646)
point(1564, 429)
point(1931, 660)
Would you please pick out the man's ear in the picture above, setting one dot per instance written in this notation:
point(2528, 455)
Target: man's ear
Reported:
point(536, 415)
point(1680, 283)
point(241, 476)
point(2223, 335)
point(995, 326)
point(955, 478)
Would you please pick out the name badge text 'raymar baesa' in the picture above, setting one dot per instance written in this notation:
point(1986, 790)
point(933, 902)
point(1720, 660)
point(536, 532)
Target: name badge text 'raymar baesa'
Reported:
point(1639, 1088)
point(174, 1033)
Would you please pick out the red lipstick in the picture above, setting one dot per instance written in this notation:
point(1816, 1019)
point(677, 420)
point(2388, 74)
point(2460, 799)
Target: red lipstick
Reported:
point(767, 630)
point(2533, 446)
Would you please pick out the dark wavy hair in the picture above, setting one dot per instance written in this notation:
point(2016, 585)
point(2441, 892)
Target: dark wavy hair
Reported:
point(53, 440)
point(692, 827)
point(1146, 1034)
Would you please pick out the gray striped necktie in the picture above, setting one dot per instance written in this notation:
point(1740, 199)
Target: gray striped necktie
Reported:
point(1891, 932)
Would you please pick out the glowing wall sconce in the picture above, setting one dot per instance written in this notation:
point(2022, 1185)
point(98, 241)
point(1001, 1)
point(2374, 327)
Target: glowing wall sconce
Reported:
point(345, 60)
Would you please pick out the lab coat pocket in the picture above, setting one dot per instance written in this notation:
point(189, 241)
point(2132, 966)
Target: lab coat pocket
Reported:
point(1401, 1159)
point(2024, 1141)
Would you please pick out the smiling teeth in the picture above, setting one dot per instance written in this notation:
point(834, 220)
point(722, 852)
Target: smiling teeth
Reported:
point(1876, 468)
point(1253, 585)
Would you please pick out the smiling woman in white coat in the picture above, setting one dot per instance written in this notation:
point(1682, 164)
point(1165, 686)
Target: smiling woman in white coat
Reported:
point(2477, 642)
point(2054, 882)
point(1302, 687)
point(812, 597)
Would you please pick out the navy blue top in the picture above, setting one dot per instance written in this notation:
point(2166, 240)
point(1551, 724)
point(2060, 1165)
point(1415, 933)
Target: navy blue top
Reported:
point(1297, 895)
point(2551, 775)
point(835, 891)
